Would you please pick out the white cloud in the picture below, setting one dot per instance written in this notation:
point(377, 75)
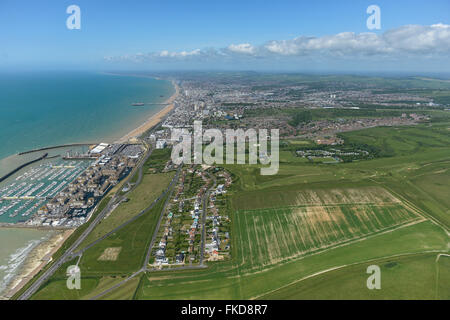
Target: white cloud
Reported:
point(408, 40)
point(414, 38)
point(181, 54)
point(245, 48)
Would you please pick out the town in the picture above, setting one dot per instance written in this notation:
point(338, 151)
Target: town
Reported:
point(196, 225)
point(249, 103)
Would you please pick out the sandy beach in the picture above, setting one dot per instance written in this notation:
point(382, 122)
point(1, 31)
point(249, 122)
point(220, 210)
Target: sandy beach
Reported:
point(38, 258)
point(42, 254)
point(153, 120)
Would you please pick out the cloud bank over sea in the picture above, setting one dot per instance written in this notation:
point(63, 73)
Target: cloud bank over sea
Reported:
point(405, 40)
point(405, 44)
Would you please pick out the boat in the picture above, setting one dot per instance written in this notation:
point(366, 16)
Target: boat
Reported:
point(137, 104)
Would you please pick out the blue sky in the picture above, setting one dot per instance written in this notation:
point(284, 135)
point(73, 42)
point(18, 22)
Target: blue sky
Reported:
point(132, 34)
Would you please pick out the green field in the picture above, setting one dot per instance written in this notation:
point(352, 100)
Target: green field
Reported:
point(227, 281)
point(133, 239)
point(90, 286)
point(151, 187)
point(263, 209)
point(310, 231)
point(417, 276)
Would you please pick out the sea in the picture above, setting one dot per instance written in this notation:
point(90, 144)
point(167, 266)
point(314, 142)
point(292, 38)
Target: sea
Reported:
point(41, 109)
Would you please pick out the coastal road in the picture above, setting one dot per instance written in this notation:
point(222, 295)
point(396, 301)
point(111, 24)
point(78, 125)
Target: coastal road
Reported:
point(144, 211)
point(170, 189)
point(69, 254)
point(32, 289)
point(153, 240)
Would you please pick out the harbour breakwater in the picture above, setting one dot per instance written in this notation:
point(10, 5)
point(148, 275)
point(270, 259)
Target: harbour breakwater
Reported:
point(6, 176)
point(56, 147)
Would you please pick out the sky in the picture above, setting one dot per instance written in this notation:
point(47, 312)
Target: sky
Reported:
point(235, 35)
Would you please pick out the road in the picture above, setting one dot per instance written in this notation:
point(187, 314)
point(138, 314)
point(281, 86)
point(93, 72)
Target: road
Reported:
point(155, 232)
point(116, 286)
point(205, 207)
point(152, 242)
point(144, 211)
point(69, 254)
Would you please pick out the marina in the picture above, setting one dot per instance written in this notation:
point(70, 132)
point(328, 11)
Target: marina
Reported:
point(101, 112)
point(28, 192)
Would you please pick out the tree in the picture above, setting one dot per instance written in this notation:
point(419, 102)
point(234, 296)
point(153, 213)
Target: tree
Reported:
point(301, 117)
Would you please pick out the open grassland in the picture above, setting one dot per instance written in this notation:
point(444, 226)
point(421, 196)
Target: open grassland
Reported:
point(57, 290)
point(151, 187)
point(90, 287)
point(227, 280)
point(400, 140)
point(417, 276)
point(133, 239)
point(306, 187)
point(124, 292)
point(99, 274)
point(443, 277)
point(311, 218)
point(298, 142)
point(157, 160)
point(427, 186)
point(320, 219)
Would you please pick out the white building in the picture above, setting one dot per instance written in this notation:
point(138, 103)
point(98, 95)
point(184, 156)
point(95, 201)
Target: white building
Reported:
point(161, 144)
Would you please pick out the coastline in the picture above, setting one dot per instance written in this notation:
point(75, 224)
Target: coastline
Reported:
point(153, 120)
point(38, 258)
point(100, 115)
point(42, 254)
point(135, 129)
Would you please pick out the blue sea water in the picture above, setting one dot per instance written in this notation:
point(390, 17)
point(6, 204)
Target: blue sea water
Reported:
point(52, 108)
point(48, 109)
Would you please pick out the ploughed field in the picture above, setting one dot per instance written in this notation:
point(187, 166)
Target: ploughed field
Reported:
point(319, 220)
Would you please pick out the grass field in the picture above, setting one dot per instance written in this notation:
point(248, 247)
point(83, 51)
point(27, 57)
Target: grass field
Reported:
point(417, 276)
point(308, 206)
point(298, 142)
point(90, 287)
point(306, 220)
point(100, 274)
point(125, 292)
point(227, 281)
point(151, 187)
point(133, 240)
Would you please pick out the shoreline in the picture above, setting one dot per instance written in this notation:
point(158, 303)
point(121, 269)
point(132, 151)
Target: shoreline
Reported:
point(111, 137)
point(42, 254)
point(154, 119)
point(37, 259)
